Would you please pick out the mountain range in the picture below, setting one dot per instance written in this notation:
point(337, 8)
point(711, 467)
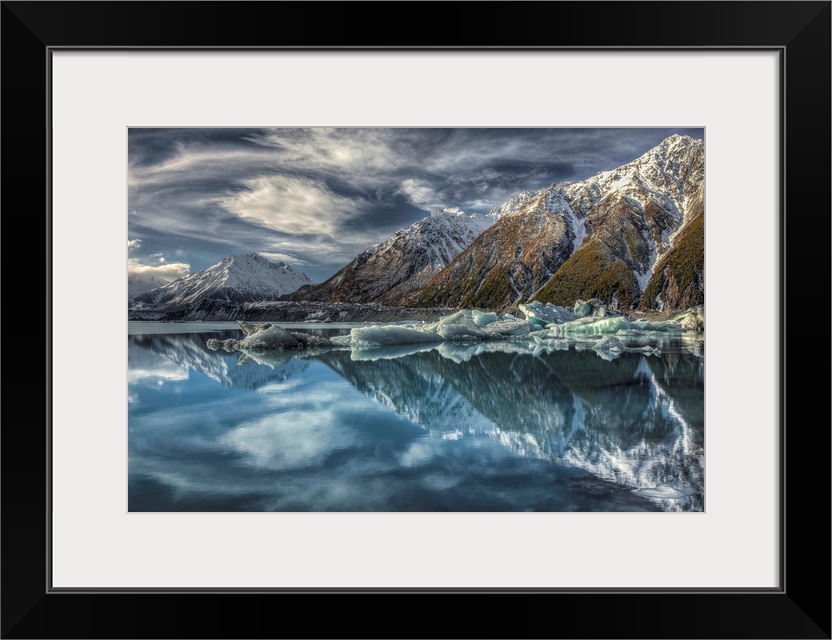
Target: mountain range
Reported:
point(237, 279)
point(390, 270)
point(632, 236)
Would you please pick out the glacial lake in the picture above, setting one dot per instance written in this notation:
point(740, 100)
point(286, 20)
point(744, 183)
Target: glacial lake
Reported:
point(456, 427)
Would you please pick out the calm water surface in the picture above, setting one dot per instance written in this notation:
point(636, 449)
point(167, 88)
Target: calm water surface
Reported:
point(487, 427)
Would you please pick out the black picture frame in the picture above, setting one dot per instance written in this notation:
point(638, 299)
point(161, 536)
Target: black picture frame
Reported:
point(799, 31)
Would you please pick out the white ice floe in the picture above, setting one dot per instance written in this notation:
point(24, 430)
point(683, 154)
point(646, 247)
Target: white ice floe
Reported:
point(546, 327)
point(545, 314)
point(268, 339)
point(389, 335)
point(593, 308)
point(692, 320)
point(482, 318)
point(460, 327)
point(590, 326)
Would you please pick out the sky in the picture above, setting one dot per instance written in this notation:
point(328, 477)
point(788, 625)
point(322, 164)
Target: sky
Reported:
point(315, 198)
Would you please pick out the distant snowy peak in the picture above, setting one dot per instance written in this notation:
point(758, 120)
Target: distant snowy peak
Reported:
point(243, 278)
point(139, 283)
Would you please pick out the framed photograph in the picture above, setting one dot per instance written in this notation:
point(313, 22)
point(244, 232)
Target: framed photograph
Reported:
point(423, 423)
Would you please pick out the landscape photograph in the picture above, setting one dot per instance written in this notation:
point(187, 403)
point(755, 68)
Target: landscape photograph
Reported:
point(416, 319)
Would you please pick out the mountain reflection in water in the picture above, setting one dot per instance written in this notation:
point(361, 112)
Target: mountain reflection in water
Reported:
point(488, 427)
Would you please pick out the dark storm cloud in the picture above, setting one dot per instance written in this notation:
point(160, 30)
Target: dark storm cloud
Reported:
point(317, 197)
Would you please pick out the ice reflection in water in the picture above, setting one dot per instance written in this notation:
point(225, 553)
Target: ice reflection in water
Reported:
point(439, 428)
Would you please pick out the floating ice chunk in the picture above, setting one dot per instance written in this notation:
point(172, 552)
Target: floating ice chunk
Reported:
point(269, 339)
point(482, 318)
point(544, 314)
point(692, 320)
point(507, 328)
point(462, 328)
point(665, 492)
point(309, 340)
point(609, 343)
point(465, 316)
point(341, 341)
point(250, 329)
point(459, 316)
point(591, 326)
point(508, 316)
point(664, 326)
point(592, 308)
point(387, 335)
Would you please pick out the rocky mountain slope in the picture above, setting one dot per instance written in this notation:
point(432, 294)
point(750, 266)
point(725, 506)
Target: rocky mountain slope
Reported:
point(388, 271)
point(537, 232)
point(637, 217)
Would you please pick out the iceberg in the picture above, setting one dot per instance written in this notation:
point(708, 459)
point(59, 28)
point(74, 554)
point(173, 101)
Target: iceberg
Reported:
point(545, 327)
point(391, 335)
point(504, 328)
point(592, 308)
point(308, 340)
point(250, 329)
point(482, 318)
point(591, 326)
point(269, 339)
point(462, 325)
point(545, 314)
point(461, 329)
point(692, 320)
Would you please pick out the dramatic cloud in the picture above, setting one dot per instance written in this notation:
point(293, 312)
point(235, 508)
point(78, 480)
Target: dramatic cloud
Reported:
point(167, 271)
point(292, 205)
point(320, 196)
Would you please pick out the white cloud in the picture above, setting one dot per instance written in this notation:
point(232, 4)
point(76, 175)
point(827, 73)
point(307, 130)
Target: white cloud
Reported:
point(134, 244)
point(359, 153)
point(421, 194)
point(168, 271)
point(292, 205)
point(278, 256)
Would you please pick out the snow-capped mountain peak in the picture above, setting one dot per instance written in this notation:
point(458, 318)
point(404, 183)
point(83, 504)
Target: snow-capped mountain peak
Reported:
point(240, 278)
point(389, 270)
